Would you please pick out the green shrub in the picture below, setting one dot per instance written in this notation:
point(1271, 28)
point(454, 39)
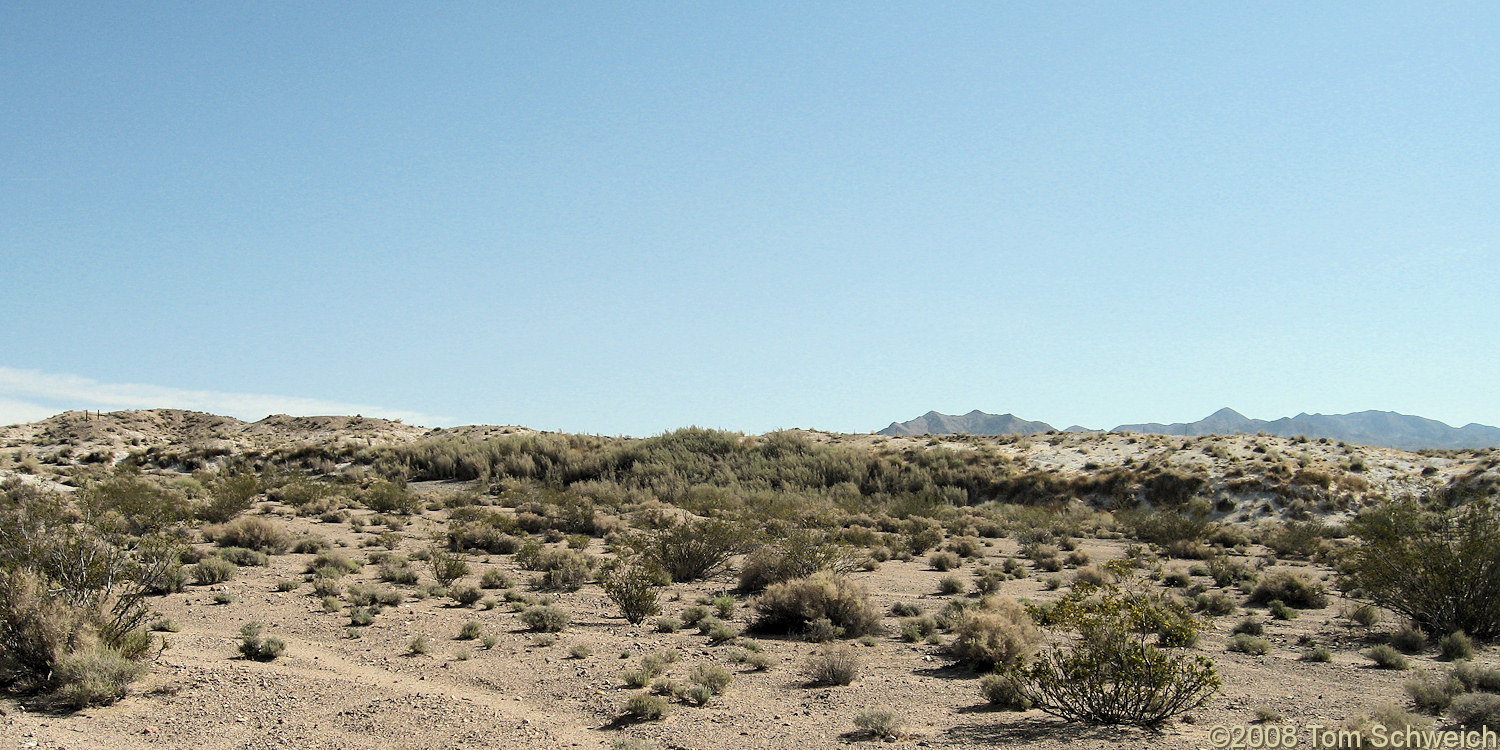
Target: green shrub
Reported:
point(1216, 604)
point(494, 578)
point(789, 607)
point(257, 648)
point(1290, 588)
point(1409, 640)
point(1249, 644)
point(447, 566)
point(387, 497)
point(465, 595)
point(245, 558)
point(1004, 691)
point(1250, 626)
point(1433, 694)
point(545, 618)
point(695, 550)
point(1386, 657)
point(95, 677)
point(1318, 654)
point(949, 585)
point(211, 570)
point(832, 665)
point(251, 532)
point(1477, 678)
point(1433, 565)
point(1365, 615)
point(1476, 710)
point(798, 554)
point(1114, 673)
point(229, 496)
point(419, 646)
point(943, 561)
point(711, 676)
point(633, 589)
point(999, 636)
point(1455, 647)
point(645, 707)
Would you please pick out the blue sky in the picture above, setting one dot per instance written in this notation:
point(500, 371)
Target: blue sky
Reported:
point(625, 218)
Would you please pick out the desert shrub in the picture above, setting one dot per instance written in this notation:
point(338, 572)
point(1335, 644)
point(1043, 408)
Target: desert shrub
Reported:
point(1409, 640)
point(1476, 710)
point(1477, 678)
point(1297, 538)
point(94, 677)
point(789, 607)
point(1433, 694)
point(906, 609)
point(1432, 564)
point(212, 570)
point(821, 630)
point(1365, 615)
point(419, 645)
point(633, 589)
point(447, 565)
point(949, 585)
point(1250, 626)
point(879, 721)
point(388, 497)
point(1290, 588)
point(361, 617)
point(645, 707)
point(668, 624)
point(1320, 654)
point(570, 574)
point(545, 618)
point(229, 496)
point(309, 545)
point(1114, 673)
point(711, 676)
point(125, 504)
point(1004, 691)
point(254, 646)
point(470, 630)
point(694, 550)
point(832, 665)
point(1455, 647)
point(1227, 571)
point(332, 565)
point(494, 578)
point(400, 573)
point(798, 554)
point(988, 581)
point(1215, 603)
point(1280, 610)
point(465, 595)
point(914, 629)
point(943, 561)
point(999, 636)
point(1249, 644)
point(245, 558)
point(252, 532)
point(1390, 716)
point(1386, 657)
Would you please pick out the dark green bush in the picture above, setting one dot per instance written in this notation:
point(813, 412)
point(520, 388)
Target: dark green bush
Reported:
point(1432, 563)
point(1292, 589)
point(1117, 672)
point(254, 646)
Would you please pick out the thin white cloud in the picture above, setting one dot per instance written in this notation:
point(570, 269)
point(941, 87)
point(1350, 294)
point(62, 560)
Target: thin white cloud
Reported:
point(21, 389)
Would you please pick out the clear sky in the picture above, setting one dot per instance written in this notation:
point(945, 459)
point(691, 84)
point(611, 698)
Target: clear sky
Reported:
point(628, 217)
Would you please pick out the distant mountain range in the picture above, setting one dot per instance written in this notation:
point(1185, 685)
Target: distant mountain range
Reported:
point(1384, 428)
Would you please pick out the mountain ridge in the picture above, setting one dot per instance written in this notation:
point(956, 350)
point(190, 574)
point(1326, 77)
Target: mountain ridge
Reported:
point(1372, 427)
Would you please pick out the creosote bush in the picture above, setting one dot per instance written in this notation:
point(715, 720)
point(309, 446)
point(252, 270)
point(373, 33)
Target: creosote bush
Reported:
point(694, 550)
point(1432, 563)
point(256, 647)
point(633, 588)
point(1121, 670)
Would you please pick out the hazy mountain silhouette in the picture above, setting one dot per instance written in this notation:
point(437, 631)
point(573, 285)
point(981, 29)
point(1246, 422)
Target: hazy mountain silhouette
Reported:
point(1383, 428)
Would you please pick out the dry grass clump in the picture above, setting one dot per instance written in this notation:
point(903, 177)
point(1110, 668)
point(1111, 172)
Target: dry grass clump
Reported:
point(879, 721)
